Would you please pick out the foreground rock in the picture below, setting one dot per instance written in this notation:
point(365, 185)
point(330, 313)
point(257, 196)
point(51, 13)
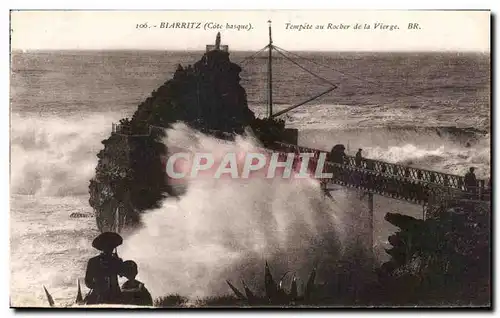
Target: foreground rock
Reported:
point(442, 261)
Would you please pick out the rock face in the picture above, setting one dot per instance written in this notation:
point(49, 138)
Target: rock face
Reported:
point(129, 177)
point(441, 261)
point(207, 95)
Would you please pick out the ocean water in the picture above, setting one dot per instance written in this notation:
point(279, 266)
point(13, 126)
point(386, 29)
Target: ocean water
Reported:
point(430, 110)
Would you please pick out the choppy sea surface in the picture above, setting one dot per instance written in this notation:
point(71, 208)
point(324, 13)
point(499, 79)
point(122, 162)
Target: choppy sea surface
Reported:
point(430, 110)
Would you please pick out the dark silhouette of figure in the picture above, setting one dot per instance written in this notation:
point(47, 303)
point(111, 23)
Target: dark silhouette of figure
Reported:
point(133, 291)
point(217, 41)
point(358, 158)
point(102, 272)
point(338, 154)
point(470, 181)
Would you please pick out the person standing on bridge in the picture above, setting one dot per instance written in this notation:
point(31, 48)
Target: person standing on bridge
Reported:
point(470, 181)
point(359, 158)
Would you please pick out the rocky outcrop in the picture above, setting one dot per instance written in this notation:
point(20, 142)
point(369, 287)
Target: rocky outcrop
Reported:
point(443, 260)
point(207, 96)
point(129, 179)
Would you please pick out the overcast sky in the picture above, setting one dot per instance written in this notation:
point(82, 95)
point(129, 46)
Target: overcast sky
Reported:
point(440, 30)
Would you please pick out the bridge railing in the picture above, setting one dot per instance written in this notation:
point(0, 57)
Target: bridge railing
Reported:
point(386, 176)
point(406, 188)
point(394, 170)
point(397, 186)
point(430, 183)
point(126, 130)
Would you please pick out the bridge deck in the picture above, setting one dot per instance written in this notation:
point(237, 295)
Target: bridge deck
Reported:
point(375, 176)
point(392, 180)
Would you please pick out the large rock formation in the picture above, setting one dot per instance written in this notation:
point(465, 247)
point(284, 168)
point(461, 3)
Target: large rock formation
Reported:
point(206, 96)
point(440, 261)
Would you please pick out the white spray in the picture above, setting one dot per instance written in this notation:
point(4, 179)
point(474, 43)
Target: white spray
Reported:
point(227, 228)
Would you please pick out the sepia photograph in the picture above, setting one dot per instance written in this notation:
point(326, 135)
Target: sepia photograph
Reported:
point(250, 159)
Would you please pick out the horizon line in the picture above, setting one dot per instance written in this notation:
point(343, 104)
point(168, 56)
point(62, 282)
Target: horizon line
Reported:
point(250, 50)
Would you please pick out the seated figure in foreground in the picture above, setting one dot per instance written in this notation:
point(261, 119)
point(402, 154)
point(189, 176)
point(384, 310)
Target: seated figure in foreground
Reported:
point(133, 291)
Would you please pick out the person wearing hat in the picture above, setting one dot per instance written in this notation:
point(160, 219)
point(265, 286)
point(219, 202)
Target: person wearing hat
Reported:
point(102, 272)
point(359, 158)
point(133, 291)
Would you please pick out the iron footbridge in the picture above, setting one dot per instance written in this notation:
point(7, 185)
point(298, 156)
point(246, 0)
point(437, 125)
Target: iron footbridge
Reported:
point(391, 180)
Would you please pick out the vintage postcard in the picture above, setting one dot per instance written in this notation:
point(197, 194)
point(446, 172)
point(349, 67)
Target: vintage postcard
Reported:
point(250, 159)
